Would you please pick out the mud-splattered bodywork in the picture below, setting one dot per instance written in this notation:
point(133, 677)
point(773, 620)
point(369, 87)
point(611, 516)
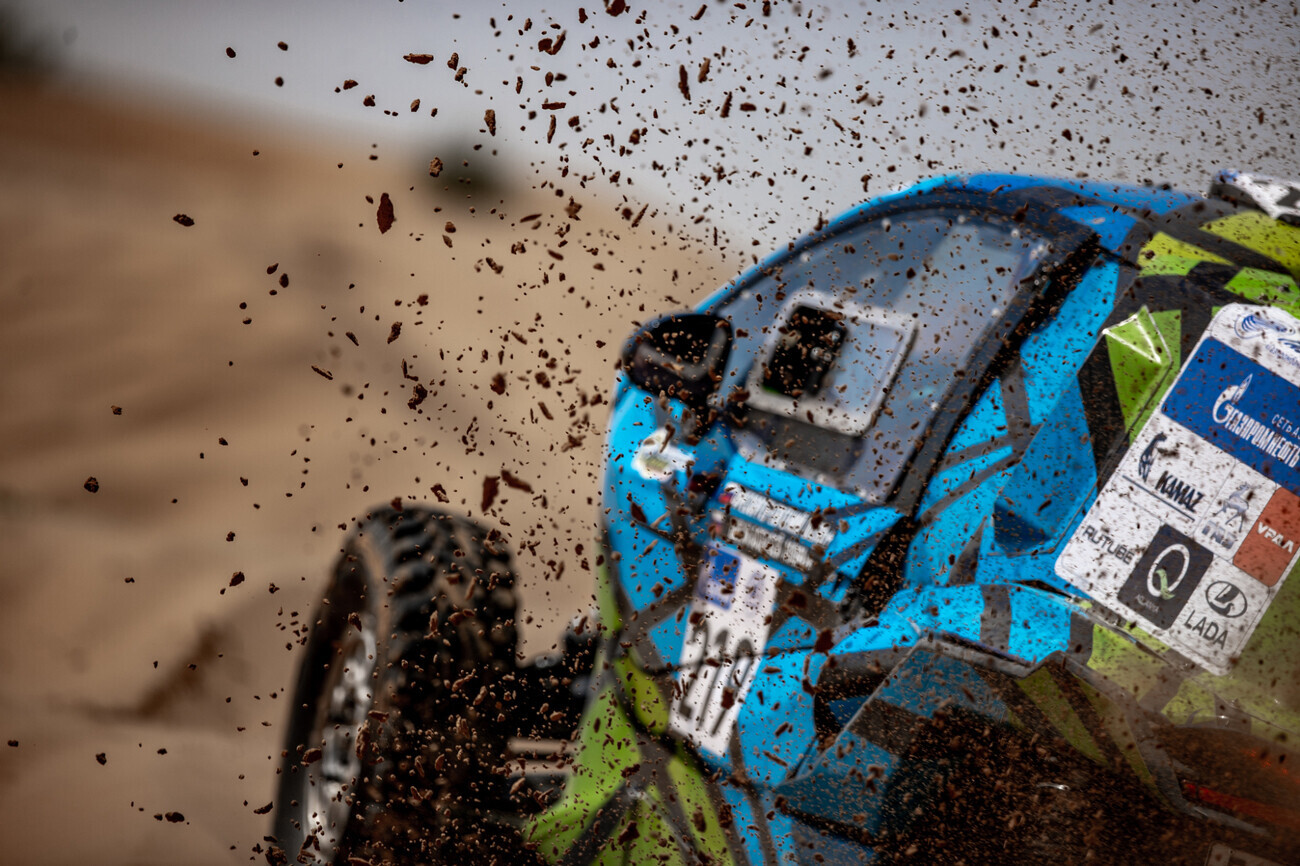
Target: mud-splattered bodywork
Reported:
point(971, 472)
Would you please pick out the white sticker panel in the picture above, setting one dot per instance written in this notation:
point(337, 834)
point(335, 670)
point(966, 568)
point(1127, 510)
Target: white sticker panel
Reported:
point(727, 629)
point(1195, 531)
point(1277, 197)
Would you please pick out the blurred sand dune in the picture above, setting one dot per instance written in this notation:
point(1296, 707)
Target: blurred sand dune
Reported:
point(115, 635)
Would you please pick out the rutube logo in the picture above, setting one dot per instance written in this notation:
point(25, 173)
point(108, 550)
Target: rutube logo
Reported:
point(1165, 577)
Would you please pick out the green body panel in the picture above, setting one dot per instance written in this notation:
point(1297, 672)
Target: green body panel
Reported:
point(1040, 688)
point(648, 702)
point(1144, 353)
point(1266, 287)
point(607, 747)
point(1256, 230)
point(615, 757)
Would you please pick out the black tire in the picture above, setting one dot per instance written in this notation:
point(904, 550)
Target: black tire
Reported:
point(397, 732)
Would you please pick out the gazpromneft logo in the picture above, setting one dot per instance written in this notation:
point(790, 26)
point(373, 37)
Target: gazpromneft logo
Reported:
point(1235, 404)
point(1252, 430)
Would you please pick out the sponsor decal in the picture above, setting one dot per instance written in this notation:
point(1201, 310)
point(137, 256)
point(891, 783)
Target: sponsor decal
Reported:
point(717, 582)
point(1272, 542)
point(1287, 349)
point(1234, 404)
point(1252, 430)
point(1197, 530)
point(1175, 491)
point(657, 459)
point(1179, 492)
point(1226, 599)
point(1256, 324)
point(1103, 540)
point(1277, 338)
point(1277, 197)
point(1211, 631)
point(1148, 458)
point(1226, 524)
point(1165, 577)
point(762, 526)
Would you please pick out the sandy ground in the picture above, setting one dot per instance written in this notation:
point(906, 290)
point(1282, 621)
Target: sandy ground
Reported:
point(120, 634)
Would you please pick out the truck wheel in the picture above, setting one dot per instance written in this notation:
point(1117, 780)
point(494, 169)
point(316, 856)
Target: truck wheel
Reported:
point(398, 729)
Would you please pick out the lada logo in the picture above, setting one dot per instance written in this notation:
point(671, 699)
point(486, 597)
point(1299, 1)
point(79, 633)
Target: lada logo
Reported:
point(1226, 599)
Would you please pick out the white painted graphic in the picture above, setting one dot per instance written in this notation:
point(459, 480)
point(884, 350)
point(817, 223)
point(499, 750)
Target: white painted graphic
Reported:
point(657, 459)
point(1276, 197)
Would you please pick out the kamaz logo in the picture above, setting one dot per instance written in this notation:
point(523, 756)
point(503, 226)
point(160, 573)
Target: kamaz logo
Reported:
point(1271, 534)
point(1180, 492)
point(1148, 458)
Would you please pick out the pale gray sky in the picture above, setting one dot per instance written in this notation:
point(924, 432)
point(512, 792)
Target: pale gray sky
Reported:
point(821, 95)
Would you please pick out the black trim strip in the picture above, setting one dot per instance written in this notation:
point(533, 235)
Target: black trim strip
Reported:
point(814, 609)
point(856, 675)
point(857, 835)
point(852, 552)
point(963, 570)
point(976, 451)
point(1166, 686)
point(1080, 638)
point(1101, 409)
point(1052, 196)
point(1015, 406)
point(653, 774)
point(1177, 227)
point(995, 618)
point(600, 829)
point(1138, 236)
point(887, 725)
point(1009, 692)
point(967, 486)
point(1083, 708)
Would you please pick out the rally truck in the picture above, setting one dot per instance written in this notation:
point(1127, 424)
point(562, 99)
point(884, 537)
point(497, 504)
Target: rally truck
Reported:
point(964, 529)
